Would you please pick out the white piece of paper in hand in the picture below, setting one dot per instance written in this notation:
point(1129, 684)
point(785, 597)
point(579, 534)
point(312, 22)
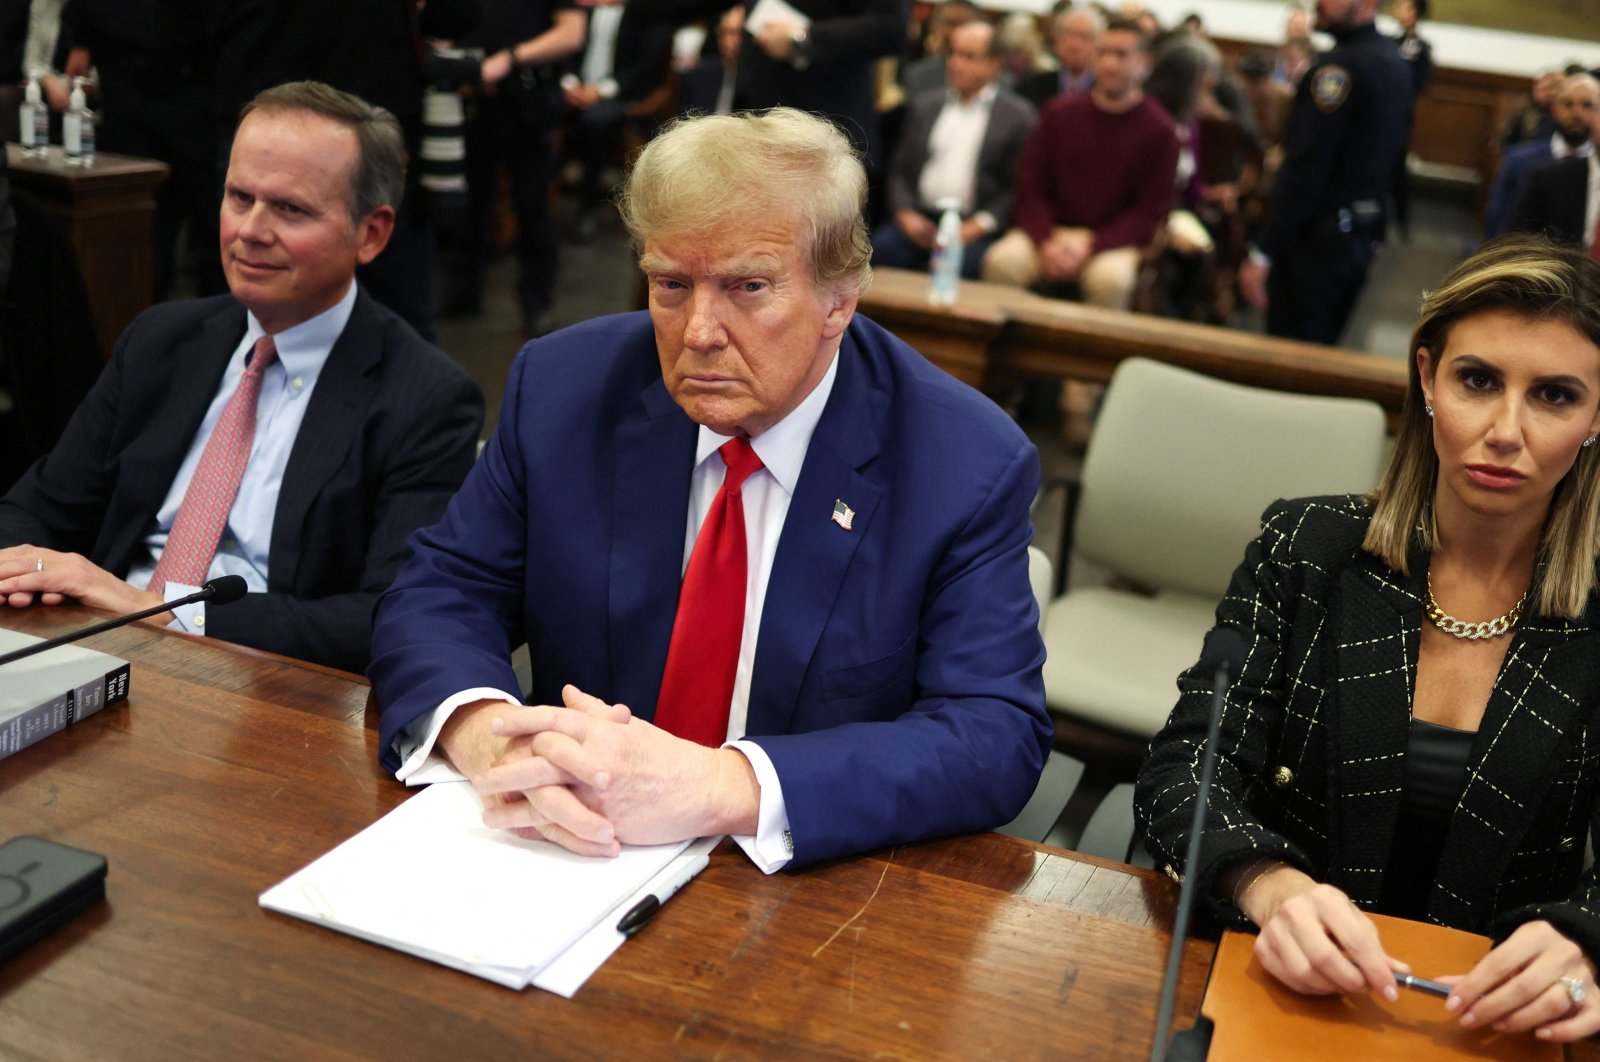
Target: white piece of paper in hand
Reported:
point(767, 11)
point(430, 879)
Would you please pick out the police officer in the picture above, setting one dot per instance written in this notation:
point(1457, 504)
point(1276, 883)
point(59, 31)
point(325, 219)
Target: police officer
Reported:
point(1327, 216)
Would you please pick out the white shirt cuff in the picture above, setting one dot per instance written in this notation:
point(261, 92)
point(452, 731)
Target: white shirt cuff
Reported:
point(419, 764)
point(191, 618)
point(772, 847)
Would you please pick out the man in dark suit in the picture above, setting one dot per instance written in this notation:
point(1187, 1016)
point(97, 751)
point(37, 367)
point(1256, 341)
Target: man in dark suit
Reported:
point(1560, 200)
point(1576, 107)
point(825, 65)
point(293, 433)
point(794, 549)
point(625, 59)
point(711, 85)
point(1074, 33)
point(959, 143)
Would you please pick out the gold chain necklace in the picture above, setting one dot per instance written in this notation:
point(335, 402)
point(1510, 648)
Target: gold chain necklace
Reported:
point(1462, 629)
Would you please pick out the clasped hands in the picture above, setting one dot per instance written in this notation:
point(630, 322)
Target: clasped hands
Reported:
point(1315, 940)
point(1063, 253)
point(590, 776)
point(29, 574)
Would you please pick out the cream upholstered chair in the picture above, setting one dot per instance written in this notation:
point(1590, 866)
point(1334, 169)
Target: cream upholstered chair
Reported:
point(1062, 773)
point(1177, 474)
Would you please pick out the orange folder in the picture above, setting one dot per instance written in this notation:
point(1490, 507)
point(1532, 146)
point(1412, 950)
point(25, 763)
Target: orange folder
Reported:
point(1258, 1018)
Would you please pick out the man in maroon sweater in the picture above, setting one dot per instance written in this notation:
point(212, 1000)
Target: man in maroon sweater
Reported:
point(1094, 182)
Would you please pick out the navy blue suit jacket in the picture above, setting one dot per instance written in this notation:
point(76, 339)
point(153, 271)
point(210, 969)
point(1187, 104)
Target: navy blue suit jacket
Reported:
point(896, 685)
point(1554, 201)
point(1518, 162)
point(388, 436)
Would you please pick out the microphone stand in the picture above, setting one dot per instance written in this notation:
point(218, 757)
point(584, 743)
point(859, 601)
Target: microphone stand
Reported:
point(1226, 648)
point(212, 589)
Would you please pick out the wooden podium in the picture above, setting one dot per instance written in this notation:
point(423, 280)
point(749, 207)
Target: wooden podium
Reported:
point(106, 210)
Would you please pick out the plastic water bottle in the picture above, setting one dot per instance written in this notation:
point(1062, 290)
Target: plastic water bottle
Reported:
point(944, 265)
point(77, 127)
point(33, 119)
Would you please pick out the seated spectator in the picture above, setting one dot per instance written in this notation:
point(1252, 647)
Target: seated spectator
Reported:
point(1022, 50)
point(711, 86)
point(1094, 182)
point(1532, 119)
point(294, 432)
point(1574, 109)
point(1073, 33)
point(958, 143)
point(1181, 81)
point(927, 72)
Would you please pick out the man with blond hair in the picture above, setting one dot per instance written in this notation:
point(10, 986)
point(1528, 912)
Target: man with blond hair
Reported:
point(771, 566)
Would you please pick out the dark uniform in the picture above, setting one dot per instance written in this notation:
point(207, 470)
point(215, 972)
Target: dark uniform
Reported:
point(1418, 55)
point(1327, 217)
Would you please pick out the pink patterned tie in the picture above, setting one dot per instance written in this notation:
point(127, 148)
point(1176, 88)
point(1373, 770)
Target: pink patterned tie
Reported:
point(206, 504)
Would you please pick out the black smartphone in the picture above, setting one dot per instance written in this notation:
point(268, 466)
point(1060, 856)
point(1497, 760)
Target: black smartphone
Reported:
point(44, 885)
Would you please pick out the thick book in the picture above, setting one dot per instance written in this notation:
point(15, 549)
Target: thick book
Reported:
point(1257, 1017)
point(42, 694)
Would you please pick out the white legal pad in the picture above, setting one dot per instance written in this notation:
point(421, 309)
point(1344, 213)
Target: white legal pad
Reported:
point(430, 879)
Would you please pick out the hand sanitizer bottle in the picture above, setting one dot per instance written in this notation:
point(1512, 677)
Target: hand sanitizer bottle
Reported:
point(944, 265)
point(33, 119)
point(77, 127)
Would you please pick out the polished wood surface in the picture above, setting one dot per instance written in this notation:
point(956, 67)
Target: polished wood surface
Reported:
point(228, 770)
point(995, 333)
point(106, 210)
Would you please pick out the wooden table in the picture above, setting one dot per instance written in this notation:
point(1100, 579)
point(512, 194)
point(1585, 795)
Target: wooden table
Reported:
point(229, 769)
point(106, 210)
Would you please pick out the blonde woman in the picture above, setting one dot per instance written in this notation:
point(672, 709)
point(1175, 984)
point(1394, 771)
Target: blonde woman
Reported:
point(1414, 727)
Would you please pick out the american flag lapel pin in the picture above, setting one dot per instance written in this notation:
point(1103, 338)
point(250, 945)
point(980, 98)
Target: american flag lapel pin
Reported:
point(843, 515)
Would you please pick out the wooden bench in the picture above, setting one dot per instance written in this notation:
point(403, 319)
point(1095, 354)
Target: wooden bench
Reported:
point(994, 335)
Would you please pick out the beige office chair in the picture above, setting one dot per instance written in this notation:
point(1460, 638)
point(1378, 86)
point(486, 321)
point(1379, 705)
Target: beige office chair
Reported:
point(1062, 773)
point(1176, 476)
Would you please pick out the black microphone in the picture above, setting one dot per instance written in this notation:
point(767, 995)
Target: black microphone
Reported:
point(223, 590)
point(1224, 651)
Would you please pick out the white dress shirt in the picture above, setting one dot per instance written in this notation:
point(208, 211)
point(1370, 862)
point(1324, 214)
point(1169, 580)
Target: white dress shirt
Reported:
point(954, 142)
point(766, 495)
point(599, 58)
point(286, 386)
point(1560, 149)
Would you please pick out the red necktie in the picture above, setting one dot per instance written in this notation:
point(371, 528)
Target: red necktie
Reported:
point(697, 687)
point(204, 511)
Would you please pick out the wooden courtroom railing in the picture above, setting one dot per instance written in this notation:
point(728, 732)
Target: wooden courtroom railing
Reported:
point(993, 334)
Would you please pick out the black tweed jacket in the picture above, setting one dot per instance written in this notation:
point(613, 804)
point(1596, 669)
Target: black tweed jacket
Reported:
point(1314, 735)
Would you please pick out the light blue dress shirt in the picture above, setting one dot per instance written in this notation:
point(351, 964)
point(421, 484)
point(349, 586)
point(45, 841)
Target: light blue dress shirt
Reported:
point(286, 388)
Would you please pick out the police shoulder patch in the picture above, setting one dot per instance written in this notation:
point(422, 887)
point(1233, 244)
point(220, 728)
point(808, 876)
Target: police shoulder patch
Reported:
point(1330, 87)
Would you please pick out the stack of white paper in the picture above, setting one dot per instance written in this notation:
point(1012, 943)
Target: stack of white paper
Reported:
point(430, 879)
